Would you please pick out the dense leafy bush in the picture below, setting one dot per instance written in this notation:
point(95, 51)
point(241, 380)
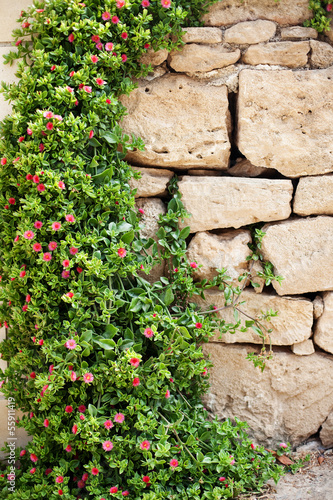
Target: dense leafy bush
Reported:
point(107, 368)
point(320, 20)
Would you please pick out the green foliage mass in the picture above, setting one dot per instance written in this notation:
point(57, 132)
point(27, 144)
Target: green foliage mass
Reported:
point(320, 20)
point(107, 368)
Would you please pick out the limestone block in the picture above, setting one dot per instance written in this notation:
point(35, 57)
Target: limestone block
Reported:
point(290, 54)
point(291, 112)
point(220, 202)
point(194, 57)
point(154, 58)
point(323, 335)
point(326, 433)
point(203, 172)
point(314, 195)
point(7, 74)
point(256, 268)
point(244, 168)
point(183, 123)
point(298, 32)
point(301, 251)
point(10, 12)
point(153, 182)
point(3, 363)
point(202, 35)
point(318, 306)
point(292, 324)
point(250, 32)
point(304, 348)
point(152, 208)
point(228, 250)
point(234, 11)
point(20, 434)
point(321, 54)
point(288, 401)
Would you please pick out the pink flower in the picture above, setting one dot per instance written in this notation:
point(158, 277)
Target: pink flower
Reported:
point(119, 417)
point(124, 35)
point(69, 89)
point(113, 489)
point(120, 4)
point(18, 42)
point(58, 117)
point(94, 59)
point(108, 424)
point(29, 131)
point(73, 250)
point(37, 247)
point(82, 408)
point(53, 67)
point(56, 226)
point(3, 161)
point(49, 125)
point(40, 188)
point(59, 479)
point(29, 177)
point(22, 274)
point(125, 493)
point(115, 19)
point(22, 453)
point(33, 458)
point(71, 38)
point(79, 270)
point(194, 265)
point(88, 378)
point(21, 139)
point(65, 274)
point(47, 257)
point(94, 471)
point(81, 484)
point(148, 333)
point(134, 362)
point(65, 263)
point(329, 7)
point(106, 16)
point(136, 381)
point(48, 114)
point(38, 224)
point(70, 344)
point(166, 3)
point(70, 295)
point(173, 463)
point(52, 245)
point(48, 471)
point(141, 211)
point(145, 3)
point(122, 252)
point(61, 185)
point(16, 238)
point(33, 470)
point(69, 409)
point(91, 134)
point(70, 218)
point(11, 201)
point(41, 147)
point(41, 342)
point(51, 367)
point(198, 325)
point(109, 46)
point(167, 394)
point(124, 57)
point(283, 445)
point(28, 235)
point(25, 308)
point(145, 445)
point(95, 38)
point(221, 478)
point(100, 81)
point(68, 448)
point(74, 429)
point(73, 376)
point(46, 423)
point(87, 89)
point(99, 46)
point(107, 446)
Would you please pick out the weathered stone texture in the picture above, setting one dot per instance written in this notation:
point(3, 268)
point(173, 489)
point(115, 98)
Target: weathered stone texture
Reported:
point(321, 54)
point(244, 168)
point(10, 12)
point(256, 268)
point(323, 336)
point(184, 123)
point(234, 11)
point(304, 348)
point(318, 306)
point(250, 32)
point(154, 58)
point(194, 57)
point(288, 401)
point(301, 251)
point(153, 182)
point(20, 434)
point(7, 74)
point(326, 433)
point(291, 112)
point(221, 202)
point(228, 250)
point(202, 35)
point(292, 324)
point(290, 54)
point(314, 195)
point(298, 32)
point(3, 363)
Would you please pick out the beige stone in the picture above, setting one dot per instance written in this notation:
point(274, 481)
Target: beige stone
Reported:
point(298, 32)
point(290, 54)
point(291, 112)
point(154, 58)
point(244, 168)
point(323, 334)
point(250, 32)
point(194, 57)
point(318, 306)
point(233, 11)
point(152, 208)
point(321, 54)
point(221, 202)
point(304, 348)
point(218, 77)
point(292, 324)
point(20, 433)
point(288, 401)
point(301, 251)
point(314, 195)
point(183, 123)
point(202, 35)
point(326, 433)
point(3, 363)
point(228, 250)
point(256, 268)
point(153, 182)
point(10, 12)
point(7, 74)
point(202, 173)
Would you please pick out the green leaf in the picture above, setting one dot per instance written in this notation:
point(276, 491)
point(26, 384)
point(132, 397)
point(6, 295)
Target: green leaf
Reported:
point(184, 233)
point(109, 137)
point(92, 410)
point(128, 237)
point(110, 331)
point(103, 176)
point(106, 344)
point(168, 297)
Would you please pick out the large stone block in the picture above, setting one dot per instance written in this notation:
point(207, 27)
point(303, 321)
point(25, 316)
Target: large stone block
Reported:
point(288, 401)
point(153, 182)
point(220, 202)
point(326, 433)
point(291, 112)
point(290, 54)
point(202, 35)
point(321, 54)
point(233, 11)
point(301, 251)
point(292, 324)
point(10, 12)
point(194, 57)
point(184, 123)
point(250, 32)
point(314, 195)
point(7, 74)
point(298, 33)
point(228, 250)
point(323, 336)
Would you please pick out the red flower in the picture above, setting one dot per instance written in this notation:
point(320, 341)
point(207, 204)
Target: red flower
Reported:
point(36, 179)
point(70, 295)
point(41, 147)
point(194, 265)
point(106, 16)
point(145, 3)
point(37, 247)
point(115, 19)
point(122, 252)
point(29, 177)
point(46, 423)
point(94, 471)
point(147, 45)
point(100, 81)
point(69, 409)
point(329, 7)
point(29, 131)
point(21, 139)
point(65, 263)
point(22, 274)
point(41, 342)
point(91, 134)
point(146, 479)
point(60, 492)
point(113, 489)
point(12, 201)
point(95, 38)
point(136, 381)
point(71, 38)
point(166, 3)
point(49, 125)
point(173, 463)
point(82, 408)
point(198, 325)
point(120, 4)
point(40, 188)
point(109, 46)
point(124, 57)
point(145, 445)
point(33, 458)
point(48, 471)
point(3, 161)
point(59, 479)
point(74, 429)
point(33, 375)
point(53, 67)
point(25, 308)
point(134, 362)
point(38, 224)
point(47, 257)
point(79, 270)
point(94, 59)
point(167, 394)
point(148, 333)
point(124, 35)
point(61, 184)
point(18, 42)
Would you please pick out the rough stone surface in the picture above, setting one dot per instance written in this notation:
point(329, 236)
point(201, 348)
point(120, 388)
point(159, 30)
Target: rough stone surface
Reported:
point(304, 348)
point(154, 58)
point(314, 195)
point(183, 123)
point(326, 433)
point(3, 364)
point(7, 74)
point(290, 54)
point(254, 270)
point(244, 168)
point(220, 202)
point(218, 77)
point(301, 251)
point(291, 112)
point(9, 13)
point(228, 250)
point(234, 11)
point(292, 324)
point(152, 207)
point(20, 434)
point(288, 401)
point(318, 307)
point(321, 54)
point(250, 32)
point(323, 335)
point(202, 35)
point(298, 32)
point(194, 57)
point(153, 182)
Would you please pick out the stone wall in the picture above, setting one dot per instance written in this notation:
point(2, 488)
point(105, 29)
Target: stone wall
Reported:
point(243, 115)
